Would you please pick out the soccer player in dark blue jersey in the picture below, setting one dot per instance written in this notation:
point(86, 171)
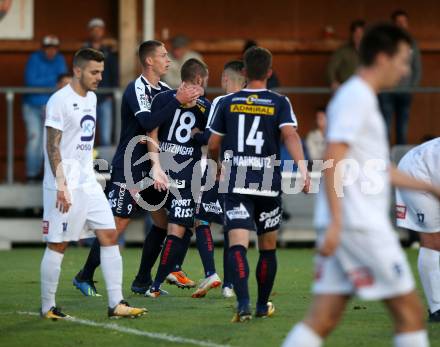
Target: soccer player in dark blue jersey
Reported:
point(248, 127)
point(124, 191)
point(180, 140)
point(209, 207)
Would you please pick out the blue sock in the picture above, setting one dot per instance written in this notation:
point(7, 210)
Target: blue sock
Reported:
point(205, 245)
point(150, 252)
point(266, 271)
point(227, 275)
point(186, 241)
point(240, 274)
point(170, 251)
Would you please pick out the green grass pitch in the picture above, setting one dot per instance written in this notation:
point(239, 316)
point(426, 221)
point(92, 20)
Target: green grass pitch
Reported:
point(205, 320)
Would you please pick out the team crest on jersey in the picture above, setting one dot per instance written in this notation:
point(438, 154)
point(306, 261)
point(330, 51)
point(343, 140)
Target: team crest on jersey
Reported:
point(213, 207)
point(45, 227)
point(400, 211)
point(238, 213)
point(64, 227)
point(88, 128)
point(144, 101)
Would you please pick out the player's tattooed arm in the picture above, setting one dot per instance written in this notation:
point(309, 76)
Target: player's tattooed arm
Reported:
point(54, 136)
point(53, 152)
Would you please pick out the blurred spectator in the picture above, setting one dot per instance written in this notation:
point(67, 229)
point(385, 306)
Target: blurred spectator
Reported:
point(42, 70)
point(315, 140)
point(110, 78)
point(345, 60)
point(63, 80)
point(180, 52)
point(400, 103)
point(273, 81)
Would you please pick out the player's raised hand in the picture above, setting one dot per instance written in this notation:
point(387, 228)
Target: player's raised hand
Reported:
point(160, 178)
point(187, 94)
point(63, 202)
point(331, 240)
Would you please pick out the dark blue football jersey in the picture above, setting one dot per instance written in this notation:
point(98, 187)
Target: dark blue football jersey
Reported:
point(250, 121)
point(177, 146)
point(136, 120)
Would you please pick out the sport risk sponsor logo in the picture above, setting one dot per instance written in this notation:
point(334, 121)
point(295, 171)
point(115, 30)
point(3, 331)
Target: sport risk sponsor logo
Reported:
point(182, 208)
point(212, 207)
point(239, 212)
point(270, 219)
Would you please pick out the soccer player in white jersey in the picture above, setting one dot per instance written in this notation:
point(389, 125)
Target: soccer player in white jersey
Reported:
point(420, 212)
point(72, 196)
point(359, 253)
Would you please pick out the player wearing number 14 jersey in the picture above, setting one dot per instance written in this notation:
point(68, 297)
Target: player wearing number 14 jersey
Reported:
point(248, 126)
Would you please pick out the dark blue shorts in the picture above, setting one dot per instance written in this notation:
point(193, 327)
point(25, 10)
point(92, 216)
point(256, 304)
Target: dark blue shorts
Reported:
point(252, 212)
point(209, 207)
point(181, 208)
point(124, 201)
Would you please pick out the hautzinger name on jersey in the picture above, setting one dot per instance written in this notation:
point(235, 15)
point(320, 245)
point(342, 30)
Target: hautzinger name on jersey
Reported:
point(176, 149)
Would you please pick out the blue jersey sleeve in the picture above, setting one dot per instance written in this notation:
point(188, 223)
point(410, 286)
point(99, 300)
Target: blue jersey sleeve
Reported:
point(286, 116)
point(142, 109)
point(203, 137)
point(163, 107)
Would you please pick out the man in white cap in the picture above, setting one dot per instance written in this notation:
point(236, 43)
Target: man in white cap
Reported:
point(110, 78)
point(42, 70)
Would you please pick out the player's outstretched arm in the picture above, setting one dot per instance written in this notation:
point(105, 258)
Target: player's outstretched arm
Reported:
point(54, 136)
point(333, 184)
point(402, 180)
point(293, 144)
point(159, 177)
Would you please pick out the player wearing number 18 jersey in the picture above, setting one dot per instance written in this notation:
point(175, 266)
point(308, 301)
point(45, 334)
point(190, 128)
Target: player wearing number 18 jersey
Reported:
point(248, 126)
point(180, 140)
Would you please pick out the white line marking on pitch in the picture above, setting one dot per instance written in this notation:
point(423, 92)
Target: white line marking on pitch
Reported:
point(122, 329)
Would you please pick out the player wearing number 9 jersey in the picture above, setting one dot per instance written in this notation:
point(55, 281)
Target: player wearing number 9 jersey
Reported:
point(248, 126)
point(180, 140)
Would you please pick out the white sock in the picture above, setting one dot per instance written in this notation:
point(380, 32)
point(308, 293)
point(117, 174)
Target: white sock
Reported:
point(111, 265)
point(429, 271)
point(412, 339)
point(302, 336)
point(49, 275)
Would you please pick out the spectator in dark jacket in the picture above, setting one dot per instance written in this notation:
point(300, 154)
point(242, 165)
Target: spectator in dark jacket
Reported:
point(345, 60)
point(42, 70)
point(110, 78)
point(399, 103)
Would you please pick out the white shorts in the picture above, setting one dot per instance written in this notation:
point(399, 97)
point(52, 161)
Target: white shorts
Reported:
point(417, 211)
point(90, 210)
point(372, 267)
